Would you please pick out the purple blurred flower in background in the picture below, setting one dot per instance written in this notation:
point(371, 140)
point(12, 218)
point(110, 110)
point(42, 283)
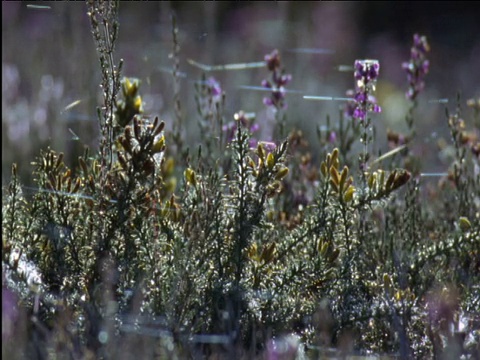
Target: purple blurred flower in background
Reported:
point(366, 75)
point(278, 82)
point(273, 60)
point(247, 122)
point(332, 137)
point(417, 67)
point(9, 312)
point(283, 348)
point(268, 145)
point(350, 106)
point(214, 89)
point(211, 95)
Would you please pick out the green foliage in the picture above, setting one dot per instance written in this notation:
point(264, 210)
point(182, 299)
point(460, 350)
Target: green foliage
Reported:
point(135, 249)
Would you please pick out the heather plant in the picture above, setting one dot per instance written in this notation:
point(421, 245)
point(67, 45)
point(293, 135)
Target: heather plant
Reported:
point(276, 100)
point(243, 247)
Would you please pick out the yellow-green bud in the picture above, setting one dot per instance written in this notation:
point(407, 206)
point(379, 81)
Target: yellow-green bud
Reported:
point(348, 196)
point(270, 161)
point(464, 224)
point(159, 146)
point(191, 177)
point(281, 173)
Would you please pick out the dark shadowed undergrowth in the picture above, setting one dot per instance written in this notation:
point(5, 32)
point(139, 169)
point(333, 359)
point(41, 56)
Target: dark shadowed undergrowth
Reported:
point(245, 247)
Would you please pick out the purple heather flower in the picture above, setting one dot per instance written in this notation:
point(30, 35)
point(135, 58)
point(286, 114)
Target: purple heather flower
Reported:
point(417, 67)
point(332, 137)
point(229, 129)
point(267, 101)
point(210, 97)
point(282, 80)
point(420, 44)
point(253, 143)
point(215, 88)
point(214, 91)
point(254, 128)
point(240, 117)
point(278, 82)
point(366, 75)
point(266, 84)
point(349, 107)
point(269, 146)
point(366, 72)
point(273, 60)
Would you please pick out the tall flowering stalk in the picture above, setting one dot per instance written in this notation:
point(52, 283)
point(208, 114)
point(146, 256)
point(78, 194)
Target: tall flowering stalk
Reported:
point(416, 68)
point(366, 75)
point(210, 99)
point(277, 84)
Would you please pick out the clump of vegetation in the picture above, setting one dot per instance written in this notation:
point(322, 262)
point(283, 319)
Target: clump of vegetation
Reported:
point(243, 247)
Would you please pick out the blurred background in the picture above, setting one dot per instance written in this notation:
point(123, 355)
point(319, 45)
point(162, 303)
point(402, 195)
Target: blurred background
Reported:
point(49, 62)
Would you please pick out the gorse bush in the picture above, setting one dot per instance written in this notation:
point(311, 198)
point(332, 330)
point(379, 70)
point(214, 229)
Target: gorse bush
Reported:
point(242, 247)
